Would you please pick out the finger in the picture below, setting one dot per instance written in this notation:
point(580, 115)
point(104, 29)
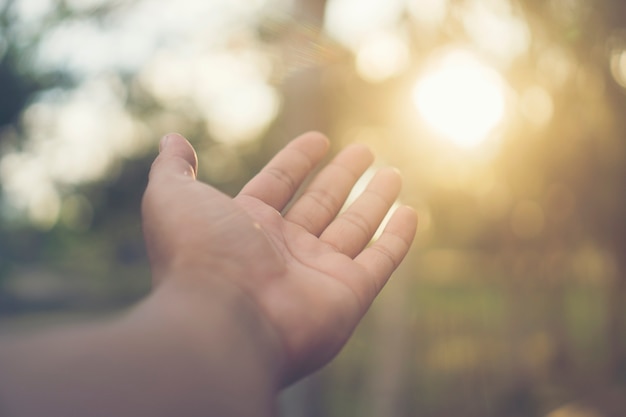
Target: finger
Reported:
point(175, 165)
point(386, 253)
point(176, 157)
point(281, 177)
point(352, 230)
point(325, 196)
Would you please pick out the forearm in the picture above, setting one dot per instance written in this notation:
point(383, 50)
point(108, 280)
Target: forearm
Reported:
point(169, 356)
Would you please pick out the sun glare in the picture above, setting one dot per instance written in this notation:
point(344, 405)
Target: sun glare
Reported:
point(460, 98)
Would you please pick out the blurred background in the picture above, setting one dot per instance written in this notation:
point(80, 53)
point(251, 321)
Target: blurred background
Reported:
point(506, 118)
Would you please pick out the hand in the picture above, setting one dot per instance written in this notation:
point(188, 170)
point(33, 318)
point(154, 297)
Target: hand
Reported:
point(308, 273)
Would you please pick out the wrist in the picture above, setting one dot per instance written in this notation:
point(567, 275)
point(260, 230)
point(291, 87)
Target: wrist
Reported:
point(214, 312)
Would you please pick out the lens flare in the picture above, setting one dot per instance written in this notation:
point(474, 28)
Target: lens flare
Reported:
point(460, 98)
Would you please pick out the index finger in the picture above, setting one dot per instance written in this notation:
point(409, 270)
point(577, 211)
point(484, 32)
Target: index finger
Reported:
point(279, 180)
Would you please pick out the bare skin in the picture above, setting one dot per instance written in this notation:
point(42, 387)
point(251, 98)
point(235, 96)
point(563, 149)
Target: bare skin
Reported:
point(249, 295)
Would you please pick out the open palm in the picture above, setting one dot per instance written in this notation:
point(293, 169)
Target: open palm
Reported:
point(308, 269)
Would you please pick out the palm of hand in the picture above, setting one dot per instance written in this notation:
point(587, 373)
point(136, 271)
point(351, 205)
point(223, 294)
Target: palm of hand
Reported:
point(306, 270)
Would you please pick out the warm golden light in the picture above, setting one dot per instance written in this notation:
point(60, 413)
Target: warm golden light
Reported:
point(460, 98)
point(382, 56)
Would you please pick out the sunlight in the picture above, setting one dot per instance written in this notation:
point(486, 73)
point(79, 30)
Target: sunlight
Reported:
point(494, 28)
point(351, 22)
point(356, 192)
point(618, 66)
point(382, 56)
point(429, 14)
point(460, 98)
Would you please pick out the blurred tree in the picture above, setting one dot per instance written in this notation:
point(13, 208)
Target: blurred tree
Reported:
point(585, 150)
point(24, 248)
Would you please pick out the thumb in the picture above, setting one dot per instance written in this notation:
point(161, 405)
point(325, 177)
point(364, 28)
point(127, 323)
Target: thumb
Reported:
point(176, 157)
point(175, 165)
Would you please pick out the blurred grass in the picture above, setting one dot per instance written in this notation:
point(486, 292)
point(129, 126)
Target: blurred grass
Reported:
point(455, 348)
point(467, 350)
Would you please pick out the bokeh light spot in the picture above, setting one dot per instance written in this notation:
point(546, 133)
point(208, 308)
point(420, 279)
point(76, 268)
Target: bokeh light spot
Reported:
point(494, 28)
point(44, 208)
point(353, 21)
point(618, 66)
point(381, 57)
point(243, 113)
point(460, 98)
point(429, 13)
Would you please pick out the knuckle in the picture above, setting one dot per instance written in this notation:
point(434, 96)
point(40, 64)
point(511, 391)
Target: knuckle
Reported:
point(283, 178)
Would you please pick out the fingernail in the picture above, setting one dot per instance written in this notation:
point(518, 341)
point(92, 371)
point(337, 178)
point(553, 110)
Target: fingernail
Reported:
point(163, 143)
